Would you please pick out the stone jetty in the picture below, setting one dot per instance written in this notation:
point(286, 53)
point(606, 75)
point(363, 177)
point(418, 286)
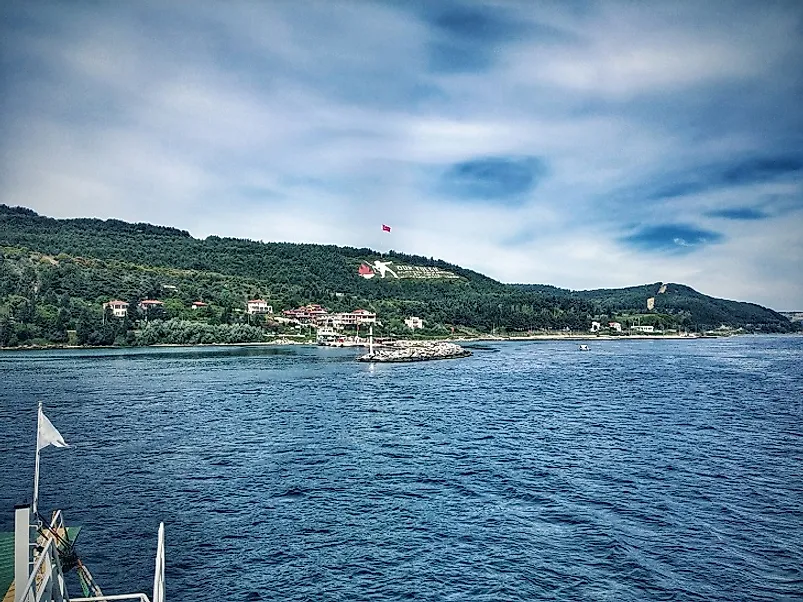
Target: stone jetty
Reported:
point(415, 351)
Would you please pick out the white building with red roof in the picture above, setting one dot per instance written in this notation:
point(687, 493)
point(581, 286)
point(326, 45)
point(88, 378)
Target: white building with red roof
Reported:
point(147, 304)
point(119, 308)
point(307, 314)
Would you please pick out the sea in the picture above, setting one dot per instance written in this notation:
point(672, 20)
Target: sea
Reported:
point(636, 470)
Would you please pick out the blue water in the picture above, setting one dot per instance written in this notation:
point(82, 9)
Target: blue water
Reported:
point(640, 470)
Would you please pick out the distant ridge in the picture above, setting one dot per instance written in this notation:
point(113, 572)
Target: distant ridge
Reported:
point(92, 261)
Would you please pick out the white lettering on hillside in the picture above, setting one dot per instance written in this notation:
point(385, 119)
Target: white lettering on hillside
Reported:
point(405, 272)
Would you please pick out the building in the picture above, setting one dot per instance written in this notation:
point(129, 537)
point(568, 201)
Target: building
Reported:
point(199, 305)
point(119, 308)
point(615, 326)
point(362, 316)
point(326, 334)
point(595, 326)
point(414, 322)
point(147, 304)
point(643, 328)
point(358, 317)
point(307, 314)
point(316, 315)
point(258, 306)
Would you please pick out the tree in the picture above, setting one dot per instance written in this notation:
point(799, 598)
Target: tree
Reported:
point(84, 328)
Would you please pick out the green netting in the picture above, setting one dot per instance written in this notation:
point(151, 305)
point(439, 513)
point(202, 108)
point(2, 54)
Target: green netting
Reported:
point(6, 562)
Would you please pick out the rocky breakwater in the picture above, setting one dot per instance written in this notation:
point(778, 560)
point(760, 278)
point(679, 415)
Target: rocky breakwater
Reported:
point(415, 351)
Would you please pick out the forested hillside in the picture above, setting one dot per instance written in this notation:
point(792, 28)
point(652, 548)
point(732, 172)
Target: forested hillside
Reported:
point(55, 276)
point(674, 299)
point(307, 265)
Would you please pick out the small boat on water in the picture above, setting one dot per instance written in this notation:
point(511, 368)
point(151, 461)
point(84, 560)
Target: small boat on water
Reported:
point(44, 550)
point(583, 348)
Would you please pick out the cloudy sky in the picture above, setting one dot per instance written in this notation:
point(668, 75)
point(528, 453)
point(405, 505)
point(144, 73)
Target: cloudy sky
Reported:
point(576, 143)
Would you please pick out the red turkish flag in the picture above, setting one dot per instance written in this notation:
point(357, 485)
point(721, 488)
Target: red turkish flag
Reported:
point(385, 228)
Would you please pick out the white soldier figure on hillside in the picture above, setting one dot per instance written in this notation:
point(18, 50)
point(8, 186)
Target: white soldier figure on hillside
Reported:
point(382, 267)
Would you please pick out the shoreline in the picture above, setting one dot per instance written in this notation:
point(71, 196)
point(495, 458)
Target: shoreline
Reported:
point(591, 337)
point(479, 339)
point(280, 343)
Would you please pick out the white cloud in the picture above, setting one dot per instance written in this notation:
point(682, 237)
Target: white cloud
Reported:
point(275, 123)
point(631, 49)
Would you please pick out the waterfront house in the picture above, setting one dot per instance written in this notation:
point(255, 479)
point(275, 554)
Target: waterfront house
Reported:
point(326, 334)
point(643, 328)
point(119, 308)
point(316, 315)
point(615, 326)
point(595, 326)
point(307, 314)
point(357, 317)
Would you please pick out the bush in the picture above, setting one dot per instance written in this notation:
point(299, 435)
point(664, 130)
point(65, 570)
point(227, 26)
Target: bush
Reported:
point(185, 332)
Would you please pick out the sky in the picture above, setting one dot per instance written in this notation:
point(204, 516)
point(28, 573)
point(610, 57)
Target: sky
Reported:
point(576, 143)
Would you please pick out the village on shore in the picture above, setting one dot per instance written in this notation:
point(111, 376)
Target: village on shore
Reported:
point(344, 328)
point(312, 324)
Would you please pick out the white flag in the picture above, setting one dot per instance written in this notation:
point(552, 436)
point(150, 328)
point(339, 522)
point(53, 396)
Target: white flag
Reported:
point(48, 434)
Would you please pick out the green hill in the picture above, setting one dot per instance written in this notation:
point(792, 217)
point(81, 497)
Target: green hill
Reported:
point(674, 299)
point(56, 274)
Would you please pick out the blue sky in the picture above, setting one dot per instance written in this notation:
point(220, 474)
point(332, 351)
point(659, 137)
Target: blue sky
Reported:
point(581, 144)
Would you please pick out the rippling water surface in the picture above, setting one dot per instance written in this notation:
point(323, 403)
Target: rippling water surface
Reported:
point(640, 470)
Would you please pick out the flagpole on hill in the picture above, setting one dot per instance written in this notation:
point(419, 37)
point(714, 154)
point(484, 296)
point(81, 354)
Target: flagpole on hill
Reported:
point(386, 228)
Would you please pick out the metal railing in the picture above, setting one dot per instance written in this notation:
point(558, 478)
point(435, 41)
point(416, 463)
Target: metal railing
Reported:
point(140, 597)
point(46, 579)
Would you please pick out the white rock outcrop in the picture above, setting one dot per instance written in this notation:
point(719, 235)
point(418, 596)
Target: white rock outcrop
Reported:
point(415, 351)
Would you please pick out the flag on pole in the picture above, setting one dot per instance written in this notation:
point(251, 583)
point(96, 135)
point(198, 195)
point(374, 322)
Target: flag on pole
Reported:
point(48, 434)
point(385, 228)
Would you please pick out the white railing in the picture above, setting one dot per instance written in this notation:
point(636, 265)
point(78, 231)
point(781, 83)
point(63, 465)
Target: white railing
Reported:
point(46, 581)
point(140, 597)
point(159, 571)
point(158, 579)
point(57, 520)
